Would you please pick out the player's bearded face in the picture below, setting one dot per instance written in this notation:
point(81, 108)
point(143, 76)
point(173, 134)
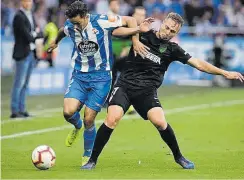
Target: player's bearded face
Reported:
point(169, 29)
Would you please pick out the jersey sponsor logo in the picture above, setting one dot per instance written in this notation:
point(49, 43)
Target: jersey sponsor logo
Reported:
point(88, 48)
point(153, 58)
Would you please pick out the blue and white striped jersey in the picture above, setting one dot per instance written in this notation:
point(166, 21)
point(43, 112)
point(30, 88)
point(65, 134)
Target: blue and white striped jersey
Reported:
point(93, 45)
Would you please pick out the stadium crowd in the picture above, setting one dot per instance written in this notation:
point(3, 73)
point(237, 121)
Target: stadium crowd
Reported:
point(201, 14)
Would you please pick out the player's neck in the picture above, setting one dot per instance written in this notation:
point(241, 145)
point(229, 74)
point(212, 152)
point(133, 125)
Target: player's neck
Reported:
point(85, 24)
point(157, 34)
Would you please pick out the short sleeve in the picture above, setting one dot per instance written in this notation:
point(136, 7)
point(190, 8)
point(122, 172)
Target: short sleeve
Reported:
point(110, 22)
point(179, 54)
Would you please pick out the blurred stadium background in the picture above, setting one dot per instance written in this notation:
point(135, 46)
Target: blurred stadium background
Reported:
point(207, 112)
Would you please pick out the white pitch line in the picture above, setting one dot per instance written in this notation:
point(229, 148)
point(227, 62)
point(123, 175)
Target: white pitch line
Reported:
point(167, 112)
point(26, 133)
point(205, 106)
point(46, 112)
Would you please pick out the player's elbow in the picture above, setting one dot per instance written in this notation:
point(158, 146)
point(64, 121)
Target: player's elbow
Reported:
point(203, 66)
point(200, 67)
point(198, 64)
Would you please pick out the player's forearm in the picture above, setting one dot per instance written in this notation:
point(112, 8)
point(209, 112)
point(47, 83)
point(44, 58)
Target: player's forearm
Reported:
point(123, 31)
point(131, 23)
point(208, 68)
point(60, 35)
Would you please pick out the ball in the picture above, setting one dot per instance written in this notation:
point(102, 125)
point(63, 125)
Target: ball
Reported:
point(43, 157)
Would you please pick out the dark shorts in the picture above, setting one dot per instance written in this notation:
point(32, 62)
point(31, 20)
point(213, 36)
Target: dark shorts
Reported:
point(142, 102)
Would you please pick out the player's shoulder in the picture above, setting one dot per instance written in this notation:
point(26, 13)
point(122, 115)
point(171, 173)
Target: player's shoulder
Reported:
point(96, 17)
point(68, 24)
point(150, 32)
point(173, 45)
point(106, 17)
point(148, 35)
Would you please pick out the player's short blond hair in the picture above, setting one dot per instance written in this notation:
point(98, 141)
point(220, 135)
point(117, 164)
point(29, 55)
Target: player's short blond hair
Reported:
point(175, 17)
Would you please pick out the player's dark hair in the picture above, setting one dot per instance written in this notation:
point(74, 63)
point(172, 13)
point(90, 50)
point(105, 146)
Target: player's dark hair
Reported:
point(77, 8)
point(176, 17)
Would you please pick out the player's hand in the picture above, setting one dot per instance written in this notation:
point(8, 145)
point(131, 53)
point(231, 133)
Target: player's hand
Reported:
point(234, 75)
point(52, 47)
point(140, 48)
point(145, 25)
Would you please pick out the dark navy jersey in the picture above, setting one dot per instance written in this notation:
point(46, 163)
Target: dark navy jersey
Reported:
point(139, 73)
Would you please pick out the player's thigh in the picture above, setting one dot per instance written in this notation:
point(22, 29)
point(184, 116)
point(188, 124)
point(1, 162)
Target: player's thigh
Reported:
point(115, 113)
point(75, 95)
point(89, 117)
point(119, 97)
point(145, 102)
point(157, 117)
point(98, 94)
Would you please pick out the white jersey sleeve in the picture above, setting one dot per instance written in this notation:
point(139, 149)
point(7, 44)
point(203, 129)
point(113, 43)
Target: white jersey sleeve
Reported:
point(110, 22)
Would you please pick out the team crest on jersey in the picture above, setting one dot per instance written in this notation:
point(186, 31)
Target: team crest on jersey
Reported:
point(88, 48)
point(95, 31)
point(162, 49)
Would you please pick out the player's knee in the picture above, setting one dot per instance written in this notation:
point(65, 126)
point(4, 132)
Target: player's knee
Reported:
point(161, 125)
point(112, 121)
point(89, 119)
point(68, 113)
point(88, 122)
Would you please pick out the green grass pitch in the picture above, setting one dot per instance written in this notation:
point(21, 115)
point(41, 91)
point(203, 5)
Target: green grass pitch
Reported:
point(208, 122)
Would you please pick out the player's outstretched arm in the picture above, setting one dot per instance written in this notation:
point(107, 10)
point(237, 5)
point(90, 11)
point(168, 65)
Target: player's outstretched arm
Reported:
point(125, 31)
point(209, 68)
point(60, 36)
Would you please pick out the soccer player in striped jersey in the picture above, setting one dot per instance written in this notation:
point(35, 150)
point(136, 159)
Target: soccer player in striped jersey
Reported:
point(92, 61)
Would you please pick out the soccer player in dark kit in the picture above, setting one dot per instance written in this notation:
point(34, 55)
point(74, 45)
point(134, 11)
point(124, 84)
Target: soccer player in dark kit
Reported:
point(138, 83)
